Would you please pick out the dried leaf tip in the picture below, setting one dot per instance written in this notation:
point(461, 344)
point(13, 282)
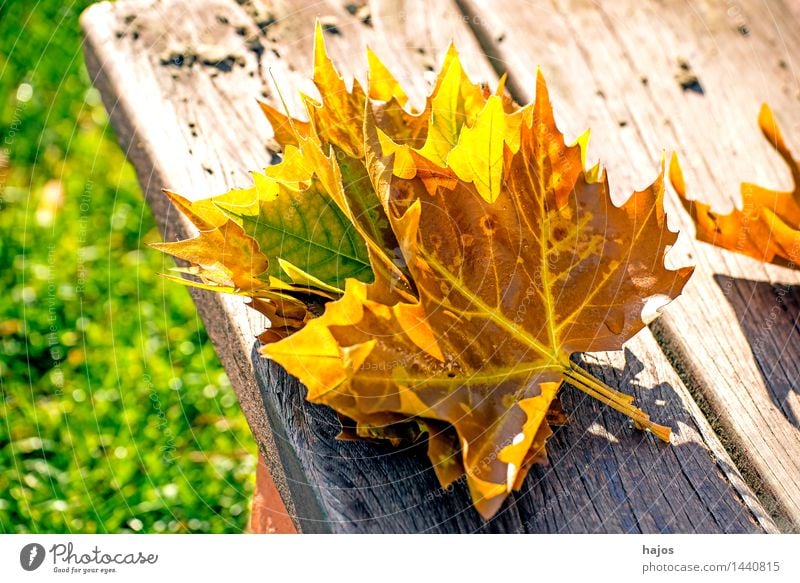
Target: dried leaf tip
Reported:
point(765, 225)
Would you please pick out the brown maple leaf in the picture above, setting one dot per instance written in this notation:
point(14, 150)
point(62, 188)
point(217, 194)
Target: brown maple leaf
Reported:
point(470, 254)
point(518, 259)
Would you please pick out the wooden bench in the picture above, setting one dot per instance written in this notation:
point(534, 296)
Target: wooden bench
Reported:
point(721, 366)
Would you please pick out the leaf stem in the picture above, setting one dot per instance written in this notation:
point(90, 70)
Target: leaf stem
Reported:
point(623, 398)
point(623, 403)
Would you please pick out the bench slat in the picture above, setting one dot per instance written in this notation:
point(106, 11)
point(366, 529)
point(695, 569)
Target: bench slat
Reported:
point(197, 130)
point(603, 476)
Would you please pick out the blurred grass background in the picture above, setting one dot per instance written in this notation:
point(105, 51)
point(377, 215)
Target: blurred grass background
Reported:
point(115, 414)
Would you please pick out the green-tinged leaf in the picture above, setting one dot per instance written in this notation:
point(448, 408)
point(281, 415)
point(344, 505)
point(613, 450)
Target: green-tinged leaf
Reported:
point(306, 229)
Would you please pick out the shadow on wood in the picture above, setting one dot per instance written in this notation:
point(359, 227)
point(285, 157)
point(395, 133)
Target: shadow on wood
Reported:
point(604, 476)
point(769, 315)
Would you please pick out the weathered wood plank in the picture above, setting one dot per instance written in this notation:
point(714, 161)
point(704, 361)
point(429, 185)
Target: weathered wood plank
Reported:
point(619, 67)
point(196, 129)
point(155, 122)
point(603, 477)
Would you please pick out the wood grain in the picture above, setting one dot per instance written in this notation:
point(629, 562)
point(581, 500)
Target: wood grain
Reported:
point(603, 475)
point(178, 80)
point(617, 67)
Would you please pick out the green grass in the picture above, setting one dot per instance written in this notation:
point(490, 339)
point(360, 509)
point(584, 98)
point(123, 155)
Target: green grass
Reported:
point(115, 414)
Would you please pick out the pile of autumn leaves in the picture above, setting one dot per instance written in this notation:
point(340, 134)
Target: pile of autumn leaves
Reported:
point(431, 272)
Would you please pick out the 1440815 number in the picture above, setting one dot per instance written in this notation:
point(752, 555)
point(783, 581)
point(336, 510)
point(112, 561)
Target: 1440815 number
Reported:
point(759, 566)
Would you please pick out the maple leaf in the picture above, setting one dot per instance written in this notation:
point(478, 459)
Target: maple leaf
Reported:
point(517, 267)
point(262, 243)
point(767, 227)
point(313, 220)
point(225, 259)
point(336, 119)
point(462, 254)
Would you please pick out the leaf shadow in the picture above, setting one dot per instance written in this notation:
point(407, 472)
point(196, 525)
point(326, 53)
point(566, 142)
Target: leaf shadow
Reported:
point(633, 481)
point(603, 475)
point(769, 316)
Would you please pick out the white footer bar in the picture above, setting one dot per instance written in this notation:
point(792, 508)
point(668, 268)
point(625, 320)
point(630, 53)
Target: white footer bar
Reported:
point(392, 558)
